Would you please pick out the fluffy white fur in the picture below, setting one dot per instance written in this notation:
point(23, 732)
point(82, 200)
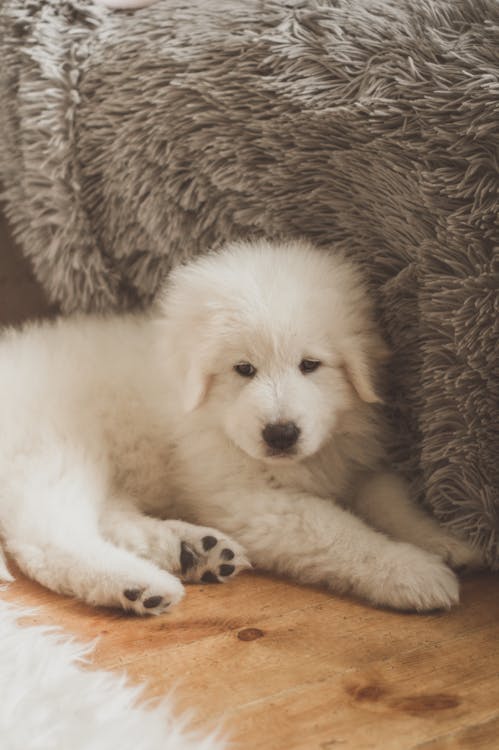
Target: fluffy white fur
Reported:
point(107, 420)
point(50, 701)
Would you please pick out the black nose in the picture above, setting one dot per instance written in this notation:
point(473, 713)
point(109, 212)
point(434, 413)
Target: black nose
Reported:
point(281, 435)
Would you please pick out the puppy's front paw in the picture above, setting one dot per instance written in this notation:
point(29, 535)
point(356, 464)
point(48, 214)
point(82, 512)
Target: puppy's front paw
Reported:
point(206, 556)
point(412, 579)
point(457, 553)
point(152, 596)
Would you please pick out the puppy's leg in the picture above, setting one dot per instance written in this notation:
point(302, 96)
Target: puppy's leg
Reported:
point(315, 541)
point(5, 574)
point(195, 553)
point(383, 501)
point(49, 523)
point(96, 572)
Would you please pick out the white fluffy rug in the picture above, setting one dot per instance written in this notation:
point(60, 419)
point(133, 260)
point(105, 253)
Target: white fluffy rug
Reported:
point(48, 702)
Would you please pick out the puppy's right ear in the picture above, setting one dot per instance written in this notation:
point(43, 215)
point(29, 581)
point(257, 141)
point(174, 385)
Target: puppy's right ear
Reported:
point(187, 359)
point(199, 344)
point(190, 325)
point(196, 386)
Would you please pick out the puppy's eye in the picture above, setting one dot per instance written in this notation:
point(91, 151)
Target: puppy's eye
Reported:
point(245, 369)
point(309, 365)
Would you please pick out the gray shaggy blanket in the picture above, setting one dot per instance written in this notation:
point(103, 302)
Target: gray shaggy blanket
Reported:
point(131, 140)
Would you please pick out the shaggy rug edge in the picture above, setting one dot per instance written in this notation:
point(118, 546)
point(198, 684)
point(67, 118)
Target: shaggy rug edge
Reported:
point(51, 702)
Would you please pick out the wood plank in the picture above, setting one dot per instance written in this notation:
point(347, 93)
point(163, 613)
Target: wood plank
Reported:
point(295, 668)
point(476, 737)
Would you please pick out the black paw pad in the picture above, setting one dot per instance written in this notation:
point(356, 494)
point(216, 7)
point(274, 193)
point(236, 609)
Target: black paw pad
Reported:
point(209, 577)
point(227, 554)
point(132, 594)
point(187, 559)
point(208, 542)
point(152, 602)
point(226, 570)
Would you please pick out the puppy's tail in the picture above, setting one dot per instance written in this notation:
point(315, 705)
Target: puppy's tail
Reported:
point(5, 575)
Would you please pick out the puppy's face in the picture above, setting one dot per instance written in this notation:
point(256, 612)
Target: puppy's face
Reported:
point(278, 345)
point(278, 393)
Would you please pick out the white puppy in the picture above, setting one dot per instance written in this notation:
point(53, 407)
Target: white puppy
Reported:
point(248, 403)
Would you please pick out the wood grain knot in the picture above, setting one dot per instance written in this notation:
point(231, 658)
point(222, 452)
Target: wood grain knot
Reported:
point(415, 705)
point(250, 634)
point(366, 692)
point(422, 704)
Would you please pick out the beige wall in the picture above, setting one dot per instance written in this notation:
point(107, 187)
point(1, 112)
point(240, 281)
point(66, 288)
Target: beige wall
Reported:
point(20, 296)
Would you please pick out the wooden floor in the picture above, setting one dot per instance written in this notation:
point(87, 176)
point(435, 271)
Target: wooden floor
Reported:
point(289, 667)
point(292, 668)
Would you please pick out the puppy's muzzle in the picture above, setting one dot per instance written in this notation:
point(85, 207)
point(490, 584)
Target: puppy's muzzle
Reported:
point(281, 436)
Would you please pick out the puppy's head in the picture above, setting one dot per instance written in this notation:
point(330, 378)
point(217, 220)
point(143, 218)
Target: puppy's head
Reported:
point(275, 342)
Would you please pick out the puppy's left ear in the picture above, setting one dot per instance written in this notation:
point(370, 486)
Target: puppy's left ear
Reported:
point(361, 358)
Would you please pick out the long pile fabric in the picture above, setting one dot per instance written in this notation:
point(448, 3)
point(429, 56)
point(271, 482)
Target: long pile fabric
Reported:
point(51, 702)
point(134, 140)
